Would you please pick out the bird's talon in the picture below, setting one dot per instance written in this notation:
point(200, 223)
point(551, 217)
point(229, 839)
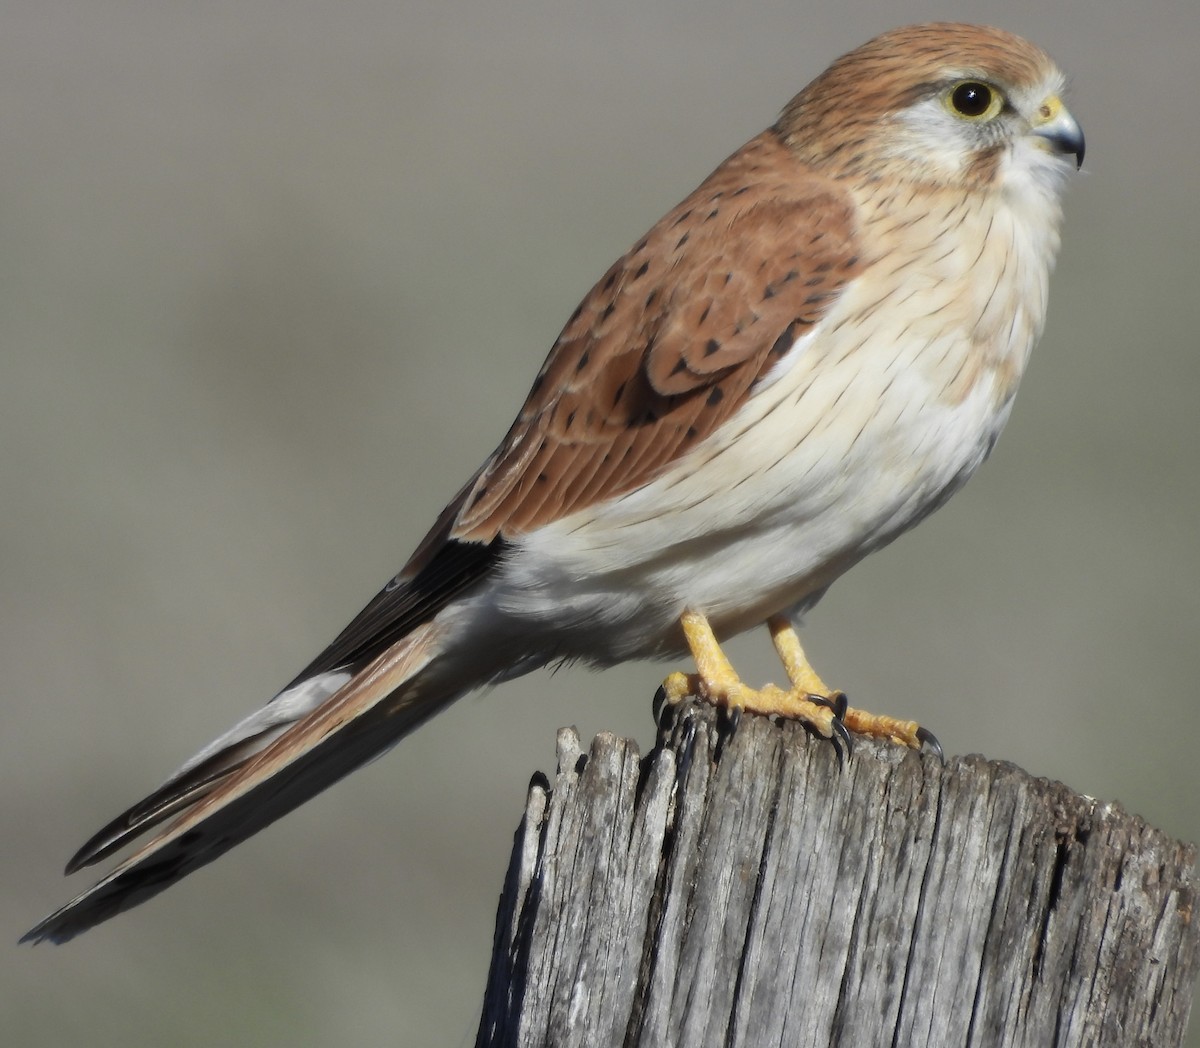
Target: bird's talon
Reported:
point(836, 701)
point(666, 711)
point(842, 734)
point(735, 719)
point(926, 738)
point(809, 700)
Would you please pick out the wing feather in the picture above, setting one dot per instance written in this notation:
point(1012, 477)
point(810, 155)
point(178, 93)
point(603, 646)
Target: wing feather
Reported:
point(375, 709)
point(670, 342)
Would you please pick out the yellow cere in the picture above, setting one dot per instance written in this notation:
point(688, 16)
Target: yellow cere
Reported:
point(1048, 110)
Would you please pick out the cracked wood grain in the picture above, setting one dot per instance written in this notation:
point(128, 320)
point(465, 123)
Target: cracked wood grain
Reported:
point(742, 889)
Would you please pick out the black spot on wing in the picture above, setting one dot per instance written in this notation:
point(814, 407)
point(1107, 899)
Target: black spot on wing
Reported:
point(785, 341)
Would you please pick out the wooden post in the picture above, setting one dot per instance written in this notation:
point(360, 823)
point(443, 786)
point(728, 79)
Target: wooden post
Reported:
point(742, 888)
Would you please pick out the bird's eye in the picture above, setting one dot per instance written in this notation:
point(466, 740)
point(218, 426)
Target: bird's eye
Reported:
point(974, 100)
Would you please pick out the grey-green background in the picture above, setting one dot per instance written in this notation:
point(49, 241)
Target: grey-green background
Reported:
point(275, 276)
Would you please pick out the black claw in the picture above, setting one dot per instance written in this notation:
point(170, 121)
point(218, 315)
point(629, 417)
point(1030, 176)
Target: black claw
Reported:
point(657, 704)
point(836, 702)
point(734, 714)
point(926, 738)
point(842, 734)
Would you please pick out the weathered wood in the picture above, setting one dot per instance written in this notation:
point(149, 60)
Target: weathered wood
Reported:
point(743, 889)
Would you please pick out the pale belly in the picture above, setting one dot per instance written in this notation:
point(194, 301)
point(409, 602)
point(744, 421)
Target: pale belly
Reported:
point(866, 426)
point(752, 525)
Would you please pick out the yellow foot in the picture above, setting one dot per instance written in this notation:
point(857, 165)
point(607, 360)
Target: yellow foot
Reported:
point(768, 700)
point(810, 700)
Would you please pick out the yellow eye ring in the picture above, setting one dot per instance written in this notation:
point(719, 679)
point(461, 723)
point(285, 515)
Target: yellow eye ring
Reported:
point(974, 100)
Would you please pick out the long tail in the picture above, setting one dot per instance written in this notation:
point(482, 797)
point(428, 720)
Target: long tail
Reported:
point(246, 791)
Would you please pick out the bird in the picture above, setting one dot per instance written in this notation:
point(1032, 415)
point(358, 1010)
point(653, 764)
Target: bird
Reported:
point(799, 362)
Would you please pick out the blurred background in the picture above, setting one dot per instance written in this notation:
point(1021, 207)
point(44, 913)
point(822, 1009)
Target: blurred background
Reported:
point(277, 275)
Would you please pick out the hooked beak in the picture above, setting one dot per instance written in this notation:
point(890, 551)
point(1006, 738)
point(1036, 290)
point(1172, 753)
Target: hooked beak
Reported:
point(1057, 130)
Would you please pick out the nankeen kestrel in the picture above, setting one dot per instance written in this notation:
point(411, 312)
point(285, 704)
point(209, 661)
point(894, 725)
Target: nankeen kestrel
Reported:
point(802, 360)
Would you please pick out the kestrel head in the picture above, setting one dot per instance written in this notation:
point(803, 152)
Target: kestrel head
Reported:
point(945, 104)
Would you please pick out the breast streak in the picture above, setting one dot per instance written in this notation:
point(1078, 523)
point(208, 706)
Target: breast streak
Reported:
point(872, 421)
